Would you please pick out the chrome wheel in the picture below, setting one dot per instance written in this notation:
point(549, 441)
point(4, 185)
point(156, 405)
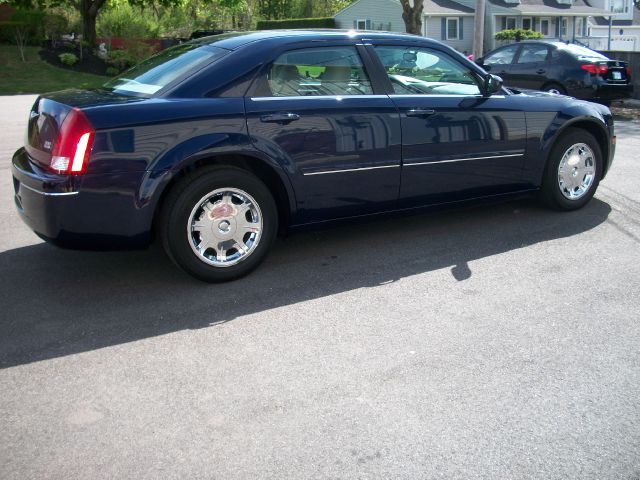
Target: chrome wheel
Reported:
point(224, 227)
point(576, 171)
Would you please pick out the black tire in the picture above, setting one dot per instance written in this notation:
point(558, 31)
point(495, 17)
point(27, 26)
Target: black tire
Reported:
point(554, 88)
point(182, 200)
point(551, 192)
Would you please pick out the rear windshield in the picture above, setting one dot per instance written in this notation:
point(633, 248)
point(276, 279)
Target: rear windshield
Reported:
point(583, 52)
point(160, 70)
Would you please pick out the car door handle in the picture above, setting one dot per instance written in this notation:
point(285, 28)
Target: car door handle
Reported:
point(280, 118)
point(420, 112)
point(541, 71)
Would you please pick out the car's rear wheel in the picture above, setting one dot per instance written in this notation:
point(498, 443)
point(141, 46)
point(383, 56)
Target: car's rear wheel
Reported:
point(219, 223)
point(554, 88)
point(573, 171)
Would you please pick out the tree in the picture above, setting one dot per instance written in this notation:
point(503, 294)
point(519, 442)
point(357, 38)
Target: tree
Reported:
point(88, 10)
point(412, 16)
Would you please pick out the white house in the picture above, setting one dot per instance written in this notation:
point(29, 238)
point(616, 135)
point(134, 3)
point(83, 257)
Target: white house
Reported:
point(625, 27)
point(452, 21)
point(443, 20)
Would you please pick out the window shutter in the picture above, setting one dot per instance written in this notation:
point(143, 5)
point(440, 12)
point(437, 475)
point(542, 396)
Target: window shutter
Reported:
point(367, 24)
point(460, 29)
point(355, 24)
point(443, 34)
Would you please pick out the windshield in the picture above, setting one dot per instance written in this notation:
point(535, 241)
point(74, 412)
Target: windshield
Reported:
point(158, 71)
point(583, 52)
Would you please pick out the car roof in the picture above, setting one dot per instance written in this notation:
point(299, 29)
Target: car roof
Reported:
point(234, 40)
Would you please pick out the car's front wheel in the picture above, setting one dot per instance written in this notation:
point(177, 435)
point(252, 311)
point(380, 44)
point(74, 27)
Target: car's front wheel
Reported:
point(573, 171)
point(219, 223)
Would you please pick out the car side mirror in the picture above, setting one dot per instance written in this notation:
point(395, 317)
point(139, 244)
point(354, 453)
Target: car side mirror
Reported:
point(492, 84)
point(480, 61)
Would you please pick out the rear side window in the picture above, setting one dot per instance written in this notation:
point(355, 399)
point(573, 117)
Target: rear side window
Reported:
point(160, 70)
point(317, 71)
point(533, 54)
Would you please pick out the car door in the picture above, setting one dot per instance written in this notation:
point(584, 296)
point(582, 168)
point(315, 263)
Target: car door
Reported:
point(315, 111)
point(499, 62)
point(456, 143)
point(529, 70)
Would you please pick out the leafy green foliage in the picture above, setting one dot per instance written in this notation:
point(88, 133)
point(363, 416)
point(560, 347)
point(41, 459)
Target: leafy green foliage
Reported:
point(326, 22)
point(125, 21)
point(68, 58)
point(517, 35)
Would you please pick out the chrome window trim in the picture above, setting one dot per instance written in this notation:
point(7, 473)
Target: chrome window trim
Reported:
point(315, 97)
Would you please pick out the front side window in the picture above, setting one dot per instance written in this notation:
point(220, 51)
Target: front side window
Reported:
point(504, 56)
point(318, 71)
point(452, 29)
point(423, 71)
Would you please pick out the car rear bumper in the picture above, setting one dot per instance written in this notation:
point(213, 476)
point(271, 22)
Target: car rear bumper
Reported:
point(76, 211)
point(612, 92)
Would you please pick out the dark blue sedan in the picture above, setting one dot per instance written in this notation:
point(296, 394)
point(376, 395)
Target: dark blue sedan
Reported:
point(218, 144)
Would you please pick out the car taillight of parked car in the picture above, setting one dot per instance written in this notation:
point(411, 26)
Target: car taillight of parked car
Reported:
point(71, 149)
point(595, 69)
point(628, 70)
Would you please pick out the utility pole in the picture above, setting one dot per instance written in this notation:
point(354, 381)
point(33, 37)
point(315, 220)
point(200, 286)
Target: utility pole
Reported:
point(478, 35)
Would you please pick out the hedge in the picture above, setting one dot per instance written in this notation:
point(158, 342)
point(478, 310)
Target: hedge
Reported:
point(322, 22)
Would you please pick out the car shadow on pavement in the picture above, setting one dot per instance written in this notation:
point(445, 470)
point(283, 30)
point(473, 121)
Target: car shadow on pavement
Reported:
point(60, 302)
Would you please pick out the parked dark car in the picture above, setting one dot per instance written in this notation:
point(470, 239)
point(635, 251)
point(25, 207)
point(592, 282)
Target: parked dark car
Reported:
point(561, 68)
point(219, 144)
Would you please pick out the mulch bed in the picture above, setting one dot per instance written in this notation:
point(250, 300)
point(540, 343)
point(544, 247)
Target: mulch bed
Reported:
point(626, 110)
point(89, 64)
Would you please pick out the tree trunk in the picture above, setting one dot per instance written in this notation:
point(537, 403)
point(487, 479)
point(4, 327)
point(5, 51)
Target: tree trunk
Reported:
point(412, 16)
point(89, 12)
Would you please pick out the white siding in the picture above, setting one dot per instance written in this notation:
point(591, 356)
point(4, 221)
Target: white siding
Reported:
point(434, 30)
point(383, 15)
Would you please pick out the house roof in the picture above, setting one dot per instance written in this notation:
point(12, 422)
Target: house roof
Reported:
point(604, 21)
point(445, 7)
point(550, 8)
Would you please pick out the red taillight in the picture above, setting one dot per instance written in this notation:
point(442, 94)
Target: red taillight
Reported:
point(595, 69)
point(628, 70)
point(74, 142)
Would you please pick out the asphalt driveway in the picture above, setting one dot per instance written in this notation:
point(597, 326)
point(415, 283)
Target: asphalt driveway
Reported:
point(495, 342)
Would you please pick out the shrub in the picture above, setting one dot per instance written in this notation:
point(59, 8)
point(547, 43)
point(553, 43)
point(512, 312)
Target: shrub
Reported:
point(112, 71)
point(125, 21)
point(68, 58)
point(322, 22)
point(517, 35)
point(55, 25)
point(120, 60)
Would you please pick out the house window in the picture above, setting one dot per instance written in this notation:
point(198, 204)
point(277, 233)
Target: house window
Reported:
point(453, 30)
point(544, 26)
point(363, 24)
point(511, 23)
point(579, 27)
point(527, 23)
point(563, 27)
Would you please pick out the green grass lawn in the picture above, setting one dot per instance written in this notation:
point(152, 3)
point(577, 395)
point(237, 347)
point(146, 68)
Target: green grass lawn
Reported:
point(36, 75)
